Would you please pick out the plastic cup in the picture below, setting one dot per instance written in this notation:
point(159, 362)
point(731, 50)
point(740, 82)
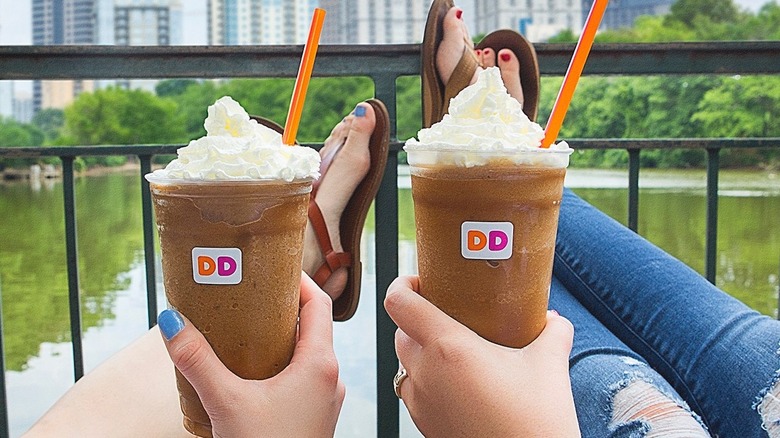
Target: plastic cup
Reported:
point(231, 261)
point(486, 225)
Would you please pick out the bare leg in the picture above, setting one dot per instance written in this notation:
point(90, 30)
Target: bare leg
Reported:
point(130, 394)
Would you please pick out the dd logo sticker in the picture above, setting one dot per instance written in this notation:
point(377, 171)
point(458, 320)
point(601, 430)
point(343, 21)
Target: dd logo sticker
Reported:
point(216, 265)
point(486, 240)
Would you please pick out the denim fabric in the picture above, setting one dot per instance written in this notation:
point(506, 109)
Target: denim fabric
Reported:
point(630, 300)
point(600, 365)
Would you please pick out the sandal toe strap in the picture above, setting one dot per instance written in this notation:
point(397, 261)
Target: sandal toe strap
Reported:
point(333, 260)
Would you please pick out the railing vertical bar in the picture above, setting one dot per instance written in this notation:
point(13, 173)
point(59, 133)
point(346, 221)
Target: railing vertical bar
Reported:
point(386, 209)
point(3, 392)
point(711, 242)
point(74, 302)
point(146, 211)
point(633, 189)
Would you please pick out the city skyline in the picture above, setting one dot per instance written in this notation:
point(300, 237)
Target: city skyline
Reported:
point(353, 24)
point(16, 20)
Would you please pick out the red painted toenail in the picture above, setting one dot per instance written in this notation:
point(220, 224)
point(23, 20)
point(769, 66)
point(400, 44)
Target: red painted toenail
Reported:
point(479, 52)
point(505, 57)
point(459, 13)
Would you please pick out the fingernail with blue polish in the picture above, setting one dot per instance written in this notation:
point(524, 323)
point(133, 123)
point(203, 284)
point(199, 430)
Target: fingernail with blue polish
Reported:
point(170, 322)
point(360, 111)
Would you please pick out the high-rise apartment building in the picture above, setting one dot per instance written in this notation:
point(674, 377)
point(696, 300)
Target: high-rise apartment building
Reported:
point(243, 22)
point(147, 22)
point(539, 20)
point(61, 22)
point(23, 107)
point(536, 19)
point(623, 13)
point(6, 99)
point(374, 21)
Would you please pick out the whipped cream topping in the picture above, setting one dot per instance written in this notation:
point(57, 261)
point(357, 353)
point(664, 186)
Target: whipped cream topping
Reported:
point(238, 148)
point(485, 122)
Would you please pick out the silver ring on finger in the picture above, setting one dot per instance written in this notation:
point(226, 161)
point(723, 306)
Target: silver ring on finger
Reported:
point(399, 378)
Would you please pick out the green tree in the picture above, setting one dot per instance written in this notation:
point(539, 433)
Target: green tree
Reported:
point(409, 114)
point(191, 107)
point(766, 24)
point(688, 11)
point(743, 107)
point(648, 29)
point(50, 121)
point(15, 134)
point(120, 117)
point(116, 116)
point(564, 36)
point(328, 101)
point(173, 87)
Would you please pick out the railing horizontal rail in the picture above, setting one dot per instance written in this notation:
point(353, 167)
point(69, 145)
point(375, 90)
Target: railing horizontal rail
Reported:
point(383, 64)
point(110, 62)
point(397, 146)
point(674, 143)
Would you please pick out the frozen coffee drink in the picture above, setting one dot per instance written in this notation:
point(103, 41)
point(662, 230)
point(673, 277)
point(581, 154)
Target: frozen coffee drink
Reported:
point(231, 213)
point(486, 201)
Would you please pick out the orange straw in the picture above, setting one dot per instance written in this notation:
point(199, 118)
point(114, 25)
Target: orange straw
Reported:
point(302, 81)
point(581, 53)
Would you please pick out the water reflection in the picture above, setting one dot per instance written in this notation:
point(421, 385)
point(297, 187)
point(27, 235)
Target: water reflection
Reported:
point(33, 262)
point(33, 279)
point(48, 374)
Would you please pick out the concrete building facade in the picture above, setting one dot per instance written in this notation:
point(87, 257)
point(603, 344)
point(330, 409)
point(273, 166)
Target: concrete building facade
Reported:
point(6, 99)
point(61, 22)
point(374, 21)
point(247, 22)
point(146, 23)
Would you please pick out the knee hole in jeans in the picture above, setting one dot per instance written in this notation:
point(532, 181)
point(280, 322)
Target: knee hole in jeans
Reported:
point(641, 401)
point(769, 409)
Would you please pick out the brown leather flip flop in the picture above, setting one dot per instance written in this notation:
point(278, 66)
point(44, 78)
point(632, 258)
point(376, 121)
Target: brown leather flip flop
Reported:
point(435, 94)
point(529, 64)
point(354, 216)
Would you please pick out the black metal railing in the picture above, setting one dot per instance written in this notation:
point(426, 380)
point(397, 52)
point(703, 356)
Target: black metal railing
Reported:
point(384, 65)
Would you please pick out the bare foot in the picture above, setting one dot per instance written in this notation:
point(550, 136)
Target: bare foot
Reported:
point(509, 66)
point(347, 170)
point(456, 39)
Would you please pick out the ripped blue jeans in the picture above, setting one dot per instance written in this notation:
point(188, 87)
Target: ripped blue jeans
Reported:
point(658, 351)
